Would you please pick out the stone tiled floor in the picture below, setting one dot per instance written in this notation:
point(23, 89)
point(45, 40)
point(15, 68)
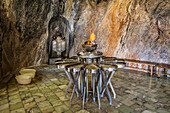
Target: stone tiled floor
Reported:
point(136, 92)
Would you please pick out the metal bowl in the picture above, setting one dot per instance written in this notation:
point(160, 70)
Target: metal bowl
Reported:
point(89, 48)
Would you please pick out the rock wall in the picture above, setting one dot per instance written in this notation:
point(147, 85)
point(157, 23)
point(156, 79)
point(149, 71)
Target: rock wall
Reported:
point(131, 29)
point(23, 26)
point(146, 34)
point(24, 32)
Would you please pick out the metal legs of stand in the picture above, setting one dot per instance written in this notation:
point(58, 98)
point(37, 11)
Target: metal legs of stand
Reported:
point(94, 85)
point(99, 84)
point(73, 73)
point(71, 82)
point(107, 82)
point(84, 94)
point(106, 79)
point(75, 87)
point(100, 80)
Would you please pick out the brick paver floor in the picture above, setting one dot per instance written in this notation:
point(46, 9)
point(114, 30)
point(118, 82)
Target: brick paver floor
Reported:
point(136, 92)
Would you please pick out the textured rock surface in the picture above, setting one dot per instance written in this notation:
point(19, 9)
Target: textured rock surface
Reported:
point(23, 31)
point(147, 32)
point(132, 29)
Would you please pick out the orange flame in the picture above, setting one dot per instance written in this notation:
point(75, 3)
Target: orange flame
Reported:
point(92, 36)
point(91, 40)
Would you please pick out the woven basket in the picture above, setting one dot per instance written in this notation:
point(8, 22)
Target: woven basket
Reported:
point(29, 72)
point(23, 79)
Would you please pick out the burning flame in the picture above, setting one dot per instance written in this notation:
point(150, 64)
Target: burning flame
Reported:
point(92, 37)
point(91, 40)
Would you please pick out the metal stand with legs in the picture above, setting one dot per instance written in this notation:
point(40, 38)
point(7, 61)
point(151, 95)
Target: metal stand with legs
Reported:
point(107, 72)
point(73, 72)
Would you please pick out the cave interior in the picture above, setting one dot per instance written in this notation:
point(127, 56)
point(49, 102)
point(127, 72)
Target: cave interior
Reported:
point(35, 34)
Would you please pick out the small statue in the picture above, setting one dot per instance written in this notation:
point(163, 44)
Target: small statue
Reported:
point(58, 46)
point(61, 45)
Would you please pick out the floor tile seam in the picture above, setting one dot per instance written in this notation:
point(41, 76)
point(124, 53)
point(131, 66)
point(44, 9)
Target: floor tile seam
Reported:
point(48, 88)
point(35, 101)
point(40, 101)
point(57, 86)
point(22, 100)
point(7, 96)
point(32, 95)
point(13, 95)
point(56, 95)
point(46, 109)
point(38, 88)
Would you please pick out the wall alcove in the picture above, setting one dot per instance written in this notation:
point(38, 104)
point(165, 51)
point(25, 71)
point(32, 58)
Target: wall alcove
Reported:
point(57, 25)
point(130, 55)
point(128, 29)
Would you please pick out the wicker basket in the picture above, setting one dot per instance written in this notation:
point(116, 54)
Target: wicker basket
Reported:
point(29, 72)
point(23, 79)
